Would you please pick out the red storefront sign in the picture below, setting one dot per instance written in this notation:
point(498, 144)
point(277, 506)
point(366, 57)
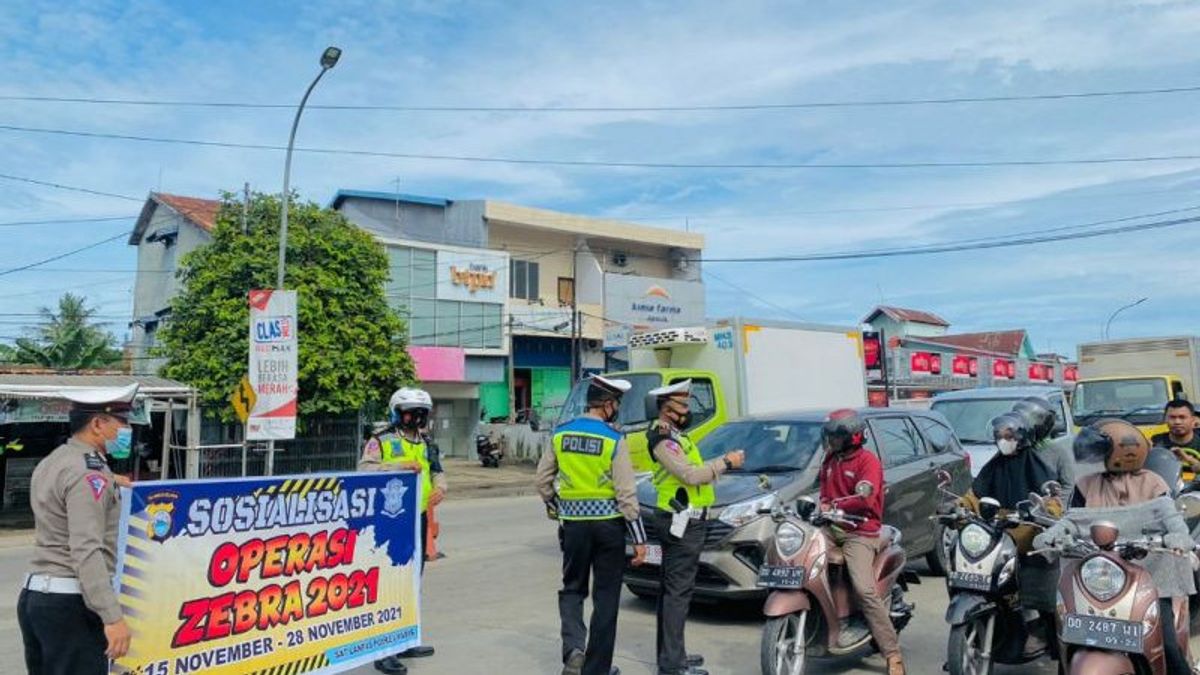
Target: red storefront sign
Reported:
point(965, 366)
point(1041, 372)
point(1070, 374)
point(1001, 369)
point(877, 398)
point(919, 363)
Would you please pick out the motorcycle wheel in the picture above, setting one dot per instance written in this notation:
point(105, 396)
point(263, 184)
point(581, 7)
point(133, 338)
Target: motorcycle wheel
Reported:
point(784, 642)
point(964, 653)
point(936, 559)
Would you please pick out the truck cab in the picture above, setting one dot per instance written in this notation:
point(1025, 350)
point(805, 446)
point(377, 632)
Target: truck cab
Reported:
point(1139, 400)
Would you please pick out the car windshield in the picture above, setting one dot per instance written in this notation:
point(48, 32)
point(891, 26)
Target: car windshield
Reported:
point(633, 403)
point(972, 418)
point(1119, 397)
point(770, 446)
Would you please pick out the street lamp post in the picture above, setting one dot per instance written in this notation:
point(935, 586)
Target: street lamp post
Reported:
point(1112, 316)
point(329, 59)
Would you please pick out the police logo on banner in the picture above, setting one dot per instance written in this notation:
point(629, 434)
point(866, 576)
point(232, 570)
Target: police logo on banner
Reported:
point(393, 498)
point(159, 507)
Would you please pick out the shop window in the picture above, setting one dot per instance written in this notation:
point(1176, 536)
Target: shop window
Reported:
point(566, 291)
point(523, 280)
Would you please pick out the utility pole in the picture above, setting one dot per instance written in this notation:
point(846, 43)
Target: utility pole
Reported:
point(512, 373)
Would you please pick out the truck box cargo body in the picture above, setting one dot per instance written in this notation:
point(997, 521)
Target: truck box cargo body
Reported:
point(1134, 379)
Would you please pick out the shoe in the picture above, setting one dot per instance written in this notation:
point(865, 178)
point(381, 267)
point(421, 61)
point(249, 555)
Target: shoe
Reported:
point(417, 652)
point(852, 632)
point(694, 660)
point(391, 666)
point(689, 670)
point(895, 665)
point(573, 665)
point(1034, 645)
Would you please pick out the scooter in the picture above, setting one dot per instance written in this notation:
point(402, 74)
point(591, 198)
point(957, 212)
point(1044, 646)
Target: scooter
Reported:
point(987, 622)
point(1108, 605)
point(811, 594)
point(489, 452)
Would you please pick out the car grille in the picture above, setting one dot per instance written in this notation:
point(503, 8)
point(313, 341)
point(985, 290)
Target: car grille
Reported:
point(716, 532)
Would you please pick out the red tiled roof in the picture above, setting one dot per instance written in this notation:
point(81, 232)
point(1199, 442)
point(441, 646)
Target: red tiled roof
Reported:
point(907, 315)
point(1008, 342)
point(202, 212)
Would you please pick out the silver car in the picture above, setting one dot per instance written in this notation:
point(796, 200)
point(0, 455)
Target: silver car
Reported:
point(971, 411)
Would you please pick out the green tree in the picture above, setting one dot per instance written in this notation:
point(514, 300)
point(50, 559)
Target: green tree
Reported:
point(68, 339)
point(7, 353)
point(352, 343)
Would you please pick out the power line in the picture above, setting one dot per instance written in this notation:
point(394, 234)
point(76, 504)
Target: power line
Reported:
point(64, 255)
point(63, 221)
point(72, 188)
point(962, 164)
point(736, 107)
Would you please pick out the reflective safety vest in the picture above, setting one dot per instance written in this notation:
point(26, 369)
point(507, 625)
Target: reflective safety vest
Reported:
point(584, 448)
point(394, 448)
point(667, 485)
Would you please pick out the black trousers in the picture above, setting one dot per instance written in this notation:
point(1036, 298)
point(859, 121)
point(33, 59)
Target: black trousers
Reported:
point(1174, 653)
point(61, 635)
point(592, 549)
point(681, 558)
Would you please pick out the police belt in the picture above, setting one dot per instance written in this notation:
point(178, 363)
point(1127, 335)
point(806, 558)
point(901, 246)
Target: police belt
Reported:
point(693, 514)
point(43, 583)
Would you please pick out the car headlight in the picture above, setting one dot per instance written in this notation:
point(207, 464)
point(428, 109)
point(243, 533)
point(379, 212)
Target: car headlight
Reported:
point(737, 515)
point(788, 539)
point(1103, 578)
point(974, 540)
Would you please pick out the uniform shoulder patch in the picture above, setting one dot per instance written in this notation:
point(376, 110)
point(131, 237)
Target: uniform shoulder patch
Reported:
point(672, 446)
point(94, 462)
point(96, 482)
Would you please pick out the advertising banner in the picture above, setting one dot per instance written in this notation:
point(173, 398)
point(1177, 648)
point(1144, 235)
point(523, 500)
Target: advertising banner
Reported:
point(479, 276)
point(295, 575)
point(646, 303)
point(274, 364)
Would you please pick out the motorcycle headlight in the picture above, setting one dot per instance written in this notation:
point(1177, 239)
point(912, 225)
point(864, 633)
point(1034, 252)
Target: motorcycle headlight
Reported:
point(974, 540)
point(1102, 578)
point(788, 540)
point(737, 515)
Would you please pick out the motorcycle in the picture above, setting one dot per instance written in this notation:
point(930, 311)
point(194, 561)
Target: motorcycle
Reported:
point(1108, 605)
point(490, 453)
point(987, 620)
point(810, 592)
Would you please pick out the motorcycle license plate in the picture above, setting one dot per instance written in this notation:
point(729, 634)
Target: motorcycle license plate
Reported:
point(970, 581)
point(1094, 631)
point(780, 577)
point(653, 554)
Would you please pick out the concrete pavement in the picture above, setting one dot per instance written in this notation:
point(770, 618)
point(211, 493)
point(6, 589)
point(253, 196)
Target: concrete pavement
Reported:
point(490, 607)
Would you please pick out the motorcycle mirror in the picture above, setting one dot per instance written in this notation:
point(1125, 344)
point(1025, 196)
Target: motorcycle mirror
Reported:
point(1105, 534)
point(1052, 488)
point(864, 489)
point(805, 507)
point(943, 478)
point(989, 508)
point(1025, 509)
point(1036, 499)
point(1189, 504)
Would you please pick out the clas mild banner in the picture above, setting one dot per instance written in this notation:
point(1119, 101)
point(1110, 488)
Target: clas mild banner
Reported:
point(271, 576)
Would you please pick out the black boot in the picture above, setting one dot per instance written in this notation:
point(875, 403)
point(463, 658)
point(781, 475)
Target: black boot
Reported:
point(391, 666)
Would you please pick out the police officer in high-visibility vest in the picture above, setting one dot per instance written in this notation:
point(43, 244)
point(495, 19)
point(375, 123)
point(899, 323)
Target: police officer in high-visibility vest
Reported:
point(401, 446)
point(587, 482)
point(683, 487)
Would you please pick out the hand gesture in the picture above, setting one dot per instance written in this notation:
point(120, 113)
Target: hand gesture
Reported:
point(736, 458)
point(437, 496)
point(118, 637)
point(639, 555)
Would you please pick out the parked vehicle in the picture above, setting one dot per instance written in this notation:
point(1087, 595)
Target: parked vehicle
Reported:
point(810, 591)
point(985, 614)
point(971, 411)
point(783, 460)
point(1133, 379)
point(735, 368)
point(490, 453)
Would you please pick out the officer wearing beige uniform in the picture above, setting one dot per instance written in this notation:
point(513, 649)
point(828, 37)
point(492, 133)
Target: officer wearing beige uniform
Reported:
point(71, 622)
point(683, 485)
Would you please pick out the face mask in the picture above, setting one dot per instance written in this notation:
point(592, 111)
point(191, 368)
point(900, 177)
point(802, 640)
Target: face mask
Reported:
point(122, 445)
point(1007, 446)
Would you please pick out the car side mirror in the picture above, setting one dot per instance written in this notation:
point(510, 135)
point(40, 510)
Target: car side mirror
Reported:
point(864, 489)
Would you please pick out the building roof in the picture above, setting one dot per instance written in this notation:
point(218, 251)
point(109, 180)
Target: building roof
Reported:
point(1007, 342)
point(198, 211)
point(36, 383)
point(600, 228)
point(343, 195)
point(903, 315)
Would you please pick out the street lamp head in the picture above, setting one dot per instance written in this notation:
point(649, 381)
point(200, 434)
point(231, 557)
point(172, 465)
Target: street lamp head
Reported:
point(330, 56)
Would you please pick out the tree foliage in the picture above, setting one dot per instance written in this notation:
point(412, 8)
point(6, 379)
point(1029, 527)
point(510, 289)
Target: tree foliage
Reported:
point(352, 344)
point(68, 339)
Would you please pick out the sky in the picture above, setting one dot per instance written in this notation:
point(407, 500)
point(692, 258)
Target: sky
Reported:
point(650, 54)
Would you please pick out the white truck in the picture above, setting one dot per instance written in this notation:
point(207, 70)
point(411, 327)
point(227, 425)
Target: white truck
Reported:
point(1134, 379)
point(739, 367)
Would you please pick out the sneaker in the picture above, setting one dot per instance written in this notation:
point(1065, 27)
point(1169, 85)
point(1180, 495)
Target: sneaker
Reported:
point(1034, 645)
point(694, 660)
point(852, 632)
point(573, 665)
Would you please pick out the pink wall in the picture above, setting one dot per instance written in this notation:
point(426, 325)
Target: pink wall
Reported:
point(439, 364)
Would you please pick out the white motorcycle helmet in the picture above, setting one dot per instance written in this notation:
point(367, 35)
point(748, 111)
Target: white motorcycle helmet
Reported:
point(416, 401)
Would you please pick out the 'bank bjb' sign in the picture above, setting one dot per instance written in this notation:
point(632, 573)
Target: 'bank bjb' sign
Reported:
point(312, 574)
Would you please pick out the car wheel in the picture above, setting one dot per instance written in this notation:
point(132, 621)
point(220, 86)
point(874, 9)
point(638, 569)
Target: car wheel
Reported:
point(936, 559)
point(642, 594)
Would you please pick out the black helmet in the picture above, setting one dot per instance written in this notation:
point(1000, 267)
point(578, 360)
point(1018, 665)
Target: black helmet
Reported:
point(1037, 411)
point(1013, 426)
point(844, 430)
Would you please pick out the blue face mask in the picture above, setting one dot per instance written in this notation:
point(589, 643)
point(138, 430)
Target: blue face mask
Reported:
point(122, 445)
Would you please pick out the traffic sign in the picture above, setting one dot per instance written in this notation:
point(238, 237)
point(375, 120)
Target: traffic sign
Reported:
point(243, 399)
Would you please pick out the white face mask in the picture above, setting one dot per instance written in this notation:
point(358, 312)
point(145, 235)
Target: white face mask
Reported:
point(1007, 446)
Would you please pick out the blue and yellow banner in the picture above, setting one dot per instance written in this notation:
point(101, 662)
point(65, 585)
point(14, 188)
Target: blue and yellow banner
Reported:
point(269, 576)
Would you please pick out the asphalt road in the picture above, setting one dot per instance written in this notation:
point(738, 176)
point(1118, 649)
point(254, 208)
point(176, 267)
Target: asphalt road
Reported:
point(490, 607)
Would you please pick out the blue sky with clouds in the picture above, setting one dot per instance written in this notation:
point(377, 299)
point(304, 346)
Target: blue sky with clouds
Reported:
point(651, 54)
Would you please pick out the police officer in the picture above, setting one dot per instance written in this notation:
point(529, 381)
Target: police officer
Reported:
point(588, 485)
point(683, 485)
point(71, 622)
point(402, 447)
